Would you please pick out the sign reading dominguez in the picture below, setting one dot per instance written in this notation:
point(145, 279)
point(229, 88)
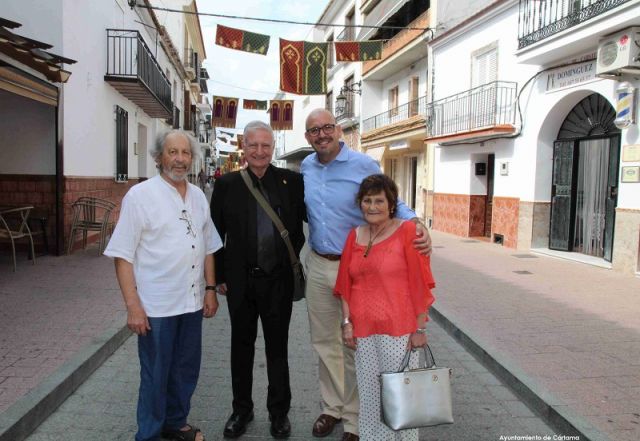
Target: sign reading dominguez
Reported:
point(569, 76)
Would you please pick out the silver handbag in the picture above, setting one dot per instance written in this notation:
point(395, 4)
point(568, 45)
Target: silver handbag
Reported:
point(416, 398)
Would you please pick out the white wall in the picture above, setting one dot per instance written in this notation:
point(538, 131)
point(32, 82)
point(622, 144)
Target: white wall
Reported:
point(28, 137)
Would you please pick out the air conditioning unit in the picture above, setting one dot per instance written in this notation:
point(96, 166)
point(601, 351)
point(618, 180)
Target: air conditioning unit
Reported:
point(619, 53)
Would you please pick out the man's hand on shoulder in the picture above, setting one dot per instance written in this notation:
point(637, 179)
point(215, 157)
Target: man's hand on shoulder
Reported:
point(422, 243)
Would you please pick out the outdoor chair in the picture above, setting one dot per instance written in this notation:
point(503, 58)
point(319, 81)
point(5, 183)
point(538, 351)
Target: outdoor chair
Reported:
point(14, 225)
point(91, 214)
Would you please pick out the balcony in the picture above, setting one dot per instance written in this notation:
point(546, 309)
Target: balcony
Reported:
point(404, 49)
point(396, 115)
point(477, 113)
point(541, 19)
point(134, 72)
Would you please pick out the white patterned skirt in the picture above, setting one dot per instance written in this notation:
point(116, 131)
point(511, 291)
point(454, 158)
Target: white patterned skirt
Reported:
point(376, 354)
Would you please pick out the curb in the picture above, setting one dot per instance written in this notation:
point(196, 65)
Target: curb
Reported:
point(558, 416)
point(17, 422)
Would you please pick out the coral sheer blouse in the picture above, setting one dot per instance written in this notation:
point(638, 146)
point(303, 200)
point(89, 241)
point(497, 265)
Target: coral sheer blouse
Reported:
point(387, 289)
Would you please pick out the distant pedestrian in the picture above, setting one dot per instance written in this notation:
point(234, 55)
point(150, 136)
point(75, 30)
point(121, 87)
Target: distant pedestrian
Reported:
point(163, 247)
point(217, 174)
point(254, 271)
point(385, 287)
point(202, 179)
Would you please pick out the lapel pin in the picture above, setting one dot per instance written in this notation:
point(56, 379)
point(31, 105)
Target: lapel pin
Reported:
point(284, 181)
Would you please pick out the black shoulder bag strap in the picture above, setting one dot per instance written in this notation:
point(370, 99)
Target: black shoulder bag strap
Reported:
point(272, 214)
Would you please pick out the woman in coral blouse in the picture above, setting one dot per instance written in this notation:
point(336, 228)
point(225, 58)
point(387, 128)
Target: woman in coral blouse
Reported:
point(385, 287)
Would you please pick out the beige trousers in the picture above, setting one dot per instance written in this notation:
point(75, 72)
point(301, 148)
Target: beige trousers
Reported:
point(336, 370)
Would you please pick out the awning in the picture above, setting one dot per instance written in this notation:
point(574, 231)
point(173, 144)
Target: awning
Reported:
point(15, 81)
point(378, 15)
point(376, 152)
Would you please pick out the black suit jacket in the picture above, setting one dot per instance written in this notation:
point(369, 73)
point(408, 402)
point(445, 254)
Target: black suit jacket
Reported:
point(233, 209)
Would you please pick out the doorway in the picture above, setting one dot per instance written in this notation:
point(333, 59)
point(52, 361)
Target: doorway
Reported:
point(585, 181)
point(488, 207)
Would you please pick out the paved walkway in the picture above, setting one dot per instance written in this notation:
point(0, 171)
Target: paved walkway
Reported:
point(105, 403)
point(565, 335)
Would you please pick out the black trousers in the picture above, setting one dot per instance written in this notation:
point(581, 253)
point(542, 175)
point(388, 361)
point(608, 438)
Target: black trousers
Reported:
point(265, 298)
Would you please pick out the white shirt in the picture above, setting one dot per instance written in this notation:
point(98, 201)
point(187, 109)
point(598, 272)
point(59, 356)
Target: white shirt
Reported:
point(166, 239)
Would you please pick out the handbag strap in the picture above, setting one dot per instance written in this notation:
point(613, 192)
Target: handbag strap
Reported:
point(272, 214)
point(428, 357)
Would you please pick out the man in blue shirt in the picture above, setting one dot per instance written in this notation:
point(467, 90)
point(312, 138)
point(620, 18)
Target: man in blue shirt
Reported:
point(332, 176)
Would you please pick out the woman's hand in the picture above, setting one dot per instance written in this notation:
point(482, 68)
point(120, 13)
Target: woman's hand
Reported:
point(417, 340)
point(347, 336)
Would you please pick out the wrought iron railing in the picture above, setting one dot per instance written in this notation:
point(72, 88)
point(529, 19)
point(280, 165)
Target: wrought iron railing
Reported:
point(128, 56)
point(538, 19)
point(484, 106)
point(405, 111)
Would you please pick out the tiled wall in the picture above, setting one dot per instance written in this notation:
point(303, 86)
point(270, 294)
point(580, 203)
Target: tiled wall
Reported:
point(505, 220)
point(459, 214)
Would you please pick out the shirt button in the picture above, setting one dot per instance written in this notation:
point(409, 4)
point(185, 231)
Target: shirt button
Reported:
point(193, 246)
point(192, 285)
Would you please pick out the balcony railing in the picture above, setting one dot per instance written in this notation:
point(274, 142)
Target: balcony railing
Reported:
point(129, 60)
point(397, 114)
point(538, 20)
point(485, 106)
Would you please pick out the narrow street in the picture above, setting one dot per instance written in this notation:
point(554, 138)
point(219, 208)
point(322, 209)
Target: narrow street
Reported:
point(104, 406)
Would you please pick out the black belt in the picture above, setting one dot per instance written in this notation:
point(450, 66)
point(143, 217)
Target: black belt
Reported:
point(331, 257)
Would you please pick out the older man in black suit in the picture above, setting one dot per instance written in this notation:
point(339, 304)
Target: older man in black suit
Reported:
point(254, 271)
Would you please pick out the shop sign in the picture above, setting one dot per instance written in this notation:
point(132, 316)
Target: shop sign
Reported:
point(570, 76)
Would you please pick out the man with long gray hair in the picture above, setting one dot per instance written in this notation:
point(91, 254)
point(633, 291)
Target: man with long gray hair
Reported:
point(163, 248)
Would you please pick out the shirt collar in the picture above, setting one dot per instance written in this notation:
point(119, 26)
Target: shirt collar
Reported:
point(343, 155)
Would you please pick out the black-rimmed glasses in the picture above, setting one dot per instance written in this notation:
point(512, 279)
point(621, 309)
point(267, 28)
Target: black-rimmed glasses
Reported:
point(327, 129)
point(187, 218)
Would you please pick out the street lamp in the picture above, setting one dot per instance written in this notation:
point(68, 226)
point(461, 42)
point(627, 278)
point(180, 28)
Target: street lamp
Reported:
point(341, 99)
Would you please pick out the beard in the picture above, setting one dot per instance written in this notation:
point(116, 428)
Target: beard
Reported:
point(168, 172)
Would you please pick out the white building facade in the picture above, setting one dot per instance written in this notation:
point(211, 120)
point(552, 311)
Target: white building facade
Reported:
point(527, 151)
point(136, 75)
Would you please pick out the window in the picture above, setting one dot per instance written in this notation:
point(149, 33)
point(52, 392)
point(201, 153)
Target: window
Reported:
point(414, 82)
point(328, 103)
point(122, 148)
point(349, 107)
point(393, 101)
point(349, 20)
point(484, 65)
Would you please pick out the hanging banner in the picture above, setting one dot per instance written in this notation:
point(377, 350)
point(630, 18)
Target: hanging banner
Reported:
point(303, 67)
point(281, 114)
point(358, 50)
point(242, 40)
point(254, 105)
point(225, 111)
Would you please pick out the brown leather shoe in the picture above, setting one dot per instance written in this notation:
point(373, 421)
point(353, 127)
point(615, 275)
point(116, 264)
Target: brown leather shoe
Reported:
point(324, 425)
point(347, 436)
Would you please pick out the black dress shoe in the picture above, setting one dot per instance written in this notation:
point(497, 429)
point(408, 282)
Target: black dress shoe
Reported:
point(280, 427)
point(237, 424)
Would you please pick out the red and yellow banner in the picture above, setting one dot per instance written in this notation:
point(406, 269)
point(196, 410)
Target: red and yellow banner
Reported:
point(303, 67)
point(358, 50)
point(242, 40)
point(225, 111)
point(281, 114)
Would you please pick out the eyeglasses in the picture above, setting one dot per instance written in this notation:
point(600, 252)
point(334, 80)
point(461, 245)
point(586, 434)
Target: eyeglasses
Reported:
point(187, 218)
point(327, 129)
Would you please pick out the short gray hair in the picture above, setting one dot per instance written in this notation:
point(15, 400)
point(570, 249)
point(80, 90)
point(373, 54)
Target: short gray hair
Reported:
point(258, 125)
point(158, 146)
